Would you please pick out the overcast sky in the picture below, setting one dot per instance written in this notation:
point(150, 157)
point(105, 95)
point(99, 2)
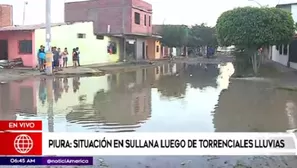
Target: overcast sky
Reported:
point(164, 11)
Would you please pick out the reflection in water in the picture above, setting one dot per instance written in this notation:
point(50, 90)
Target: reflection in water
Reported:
point(177, 97)
point(175, 80)
point(42, 91)
point(249, 106)
point(121, 108)
point(17, 97)
point(131, 101)
point(291, 110)
point(6, 113)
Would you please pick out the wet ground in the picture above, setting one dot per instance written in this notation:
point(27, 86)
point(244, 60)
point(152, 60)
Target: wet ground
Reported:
point(198, 98)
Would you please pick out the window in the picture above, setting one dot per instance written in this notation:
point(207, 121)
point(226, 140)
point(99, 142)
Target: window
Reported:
point(285, 49)
point(149, 20)
point(157, 49)
point(25, 47)
point(280, 49)
point(112, 48)
point(145, 20)
point(81, 35)
point(136, 18)
point(99, 37)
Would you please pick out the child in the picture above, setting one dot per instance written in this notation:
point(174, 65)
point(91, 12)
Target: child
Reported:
point(61, 63)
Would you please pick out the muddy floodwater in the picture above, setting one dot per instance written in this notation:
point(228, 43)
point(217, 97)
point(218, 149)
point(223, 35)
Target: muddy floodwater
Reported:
point(169, 98)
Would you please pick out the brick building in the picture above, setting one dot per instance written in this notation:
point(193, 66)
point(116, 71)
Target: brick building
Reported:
point(6, 15)
point(130, 20)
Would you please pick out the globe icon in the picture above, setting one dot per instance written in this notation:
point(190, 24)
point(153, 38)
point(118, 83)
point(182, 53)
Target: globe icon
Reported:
point(23, 143)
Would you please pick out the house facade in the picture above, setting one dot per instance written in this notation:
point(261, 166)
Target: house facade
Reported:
point(24, 42)
point(130, 20)
point(80, 34)
point(286, 54)
point(165, 50)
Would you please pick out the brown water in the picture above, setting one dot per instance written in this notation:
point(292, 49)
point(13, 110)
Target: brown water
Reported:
point(177, 97)
point(168, 98)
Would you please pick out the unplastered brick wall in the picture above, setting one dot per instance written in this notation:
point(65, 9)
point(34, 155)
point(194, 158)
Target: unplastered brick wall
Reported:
point(5, 15)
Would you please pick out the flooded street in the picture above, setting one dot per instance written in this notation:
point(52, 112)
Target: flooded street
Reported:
point(169, 98)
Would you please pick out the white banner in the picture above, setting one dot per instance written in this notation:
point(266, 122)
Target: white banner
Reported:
point(128, 144)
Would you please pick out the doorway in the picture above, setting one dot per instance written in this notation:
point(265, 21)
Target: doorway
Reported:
point(143, 50)
point(3, 49)
point(293, 51)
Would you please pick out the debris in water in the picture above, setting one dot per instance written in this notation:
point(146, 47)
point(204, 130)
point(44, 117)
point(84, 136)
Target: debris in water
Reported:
point(186, 162)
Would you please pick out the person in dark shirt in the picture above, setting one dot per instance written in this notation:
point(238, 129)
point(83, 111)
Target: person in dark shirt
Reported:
point(56, 58)
point(78, 56)
point(75, 57)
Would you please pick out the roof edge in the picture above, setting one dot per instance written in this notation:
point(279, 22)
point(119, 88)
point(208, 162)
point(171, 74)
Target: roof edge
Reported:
point(285, 4)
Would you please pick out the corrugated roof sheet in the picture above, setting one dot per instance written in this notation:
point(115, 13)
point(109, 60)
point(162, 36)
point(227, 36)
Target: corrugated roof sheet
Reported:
point(285, 4)
point(28, 27)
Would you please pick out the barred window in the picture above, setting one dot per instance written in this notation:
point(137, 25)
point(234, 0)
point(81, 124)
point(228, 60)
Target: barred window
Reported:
point(25, 47)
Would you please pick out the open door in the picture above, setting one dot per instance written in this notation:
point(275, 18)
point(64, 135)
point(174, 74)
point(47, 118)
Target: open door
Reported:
point(3, 49)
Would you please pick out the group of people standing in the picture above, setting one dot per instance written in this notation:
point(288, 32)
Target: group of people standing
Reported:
point(60, 58)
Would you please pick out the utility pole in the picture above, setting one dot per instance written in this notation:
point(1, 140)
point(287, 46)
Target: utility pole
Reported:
point(256, 2)
point(49, 55)
point(123, 30)
point(24, 12)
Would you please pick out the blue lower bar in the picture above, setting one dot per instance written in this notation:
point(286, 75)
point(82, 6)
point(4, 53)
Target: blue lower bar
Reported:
point(21, 161)
point(57, 161)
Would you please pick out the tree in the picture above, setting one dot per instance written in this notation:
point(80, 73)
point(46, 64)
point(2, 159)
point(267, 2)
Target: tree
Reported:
point(252, 28)
point(174, 35)
point(202, 35)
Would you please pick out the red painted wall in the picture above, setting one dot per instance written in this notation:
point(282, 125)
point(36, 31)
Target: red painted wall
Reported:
point(17, 97)
point(23, 96)
point(110, 12)
point(142, 29)
point(13, 37)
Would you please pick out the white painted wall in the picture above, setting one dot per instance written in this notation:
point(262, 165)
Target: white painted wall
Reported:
point(280, 58)
point(294, 12)
point(293, 65)
point(93, 50)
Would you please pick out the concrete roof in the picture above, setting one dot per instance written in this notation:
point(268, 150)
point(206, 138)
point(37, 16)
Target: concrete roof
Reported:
point(28, 27)
point(294, 3)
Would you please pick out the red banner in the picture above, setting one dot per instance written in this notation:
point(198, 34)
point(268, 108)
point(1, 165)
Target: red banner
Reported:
point(26, 125)
point(20, 143)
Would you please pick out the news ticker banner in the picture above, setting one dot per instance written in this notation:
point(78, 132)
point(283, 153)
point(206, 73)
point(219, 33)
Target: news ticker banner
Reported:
point(46, 161)
point(27, 139)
